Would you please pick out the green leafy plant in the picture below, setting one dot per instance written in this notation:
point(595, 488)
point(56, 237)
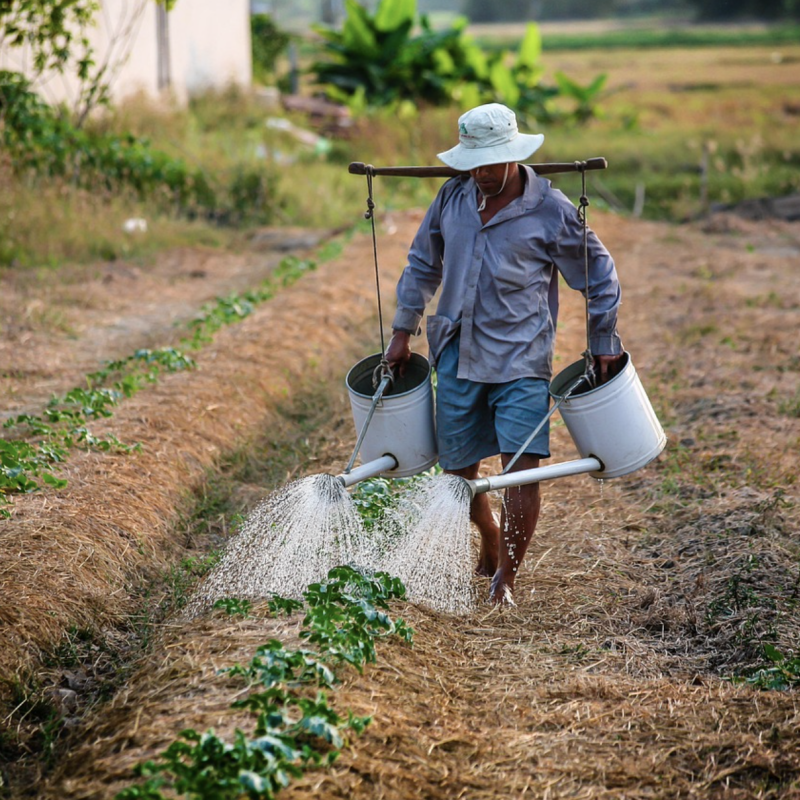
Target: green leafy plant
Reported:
point(203, 765)
point(268, 42)
point(20, 464)
point(53, 29)
point(62, 425)
point(237, 306)
point(379, 59)
point(782, 673)
point(791, 406)
point(149, 364)
point(233, 606)
point(55, 32)
point(372, 498)
point(346, 614)
point(584, 97)
point(738, 595)
point(292, 731)
point(284, 605)
point(45, 143)
point(273, 664)
point(182, 578)
point(42, 141)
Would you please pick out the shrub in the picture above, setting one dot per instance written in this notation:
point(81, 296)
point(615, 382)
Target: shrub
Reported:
point(268, 42)
point(46, 144)
point(377, 60)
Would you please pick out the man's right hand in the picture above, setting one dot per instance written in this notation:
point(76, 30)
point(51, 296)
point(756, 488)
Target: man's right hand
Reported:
point(398, 353)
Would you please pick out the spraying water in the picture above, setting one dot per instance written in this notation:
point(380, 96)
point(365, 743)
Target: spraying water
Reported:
point(291, 540)
point(311, 525)
point(427, 539)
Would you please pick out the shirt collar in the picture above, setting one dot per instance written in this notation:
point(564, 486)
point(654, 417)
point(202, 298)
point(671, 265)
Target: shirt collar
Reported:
point(532, 194)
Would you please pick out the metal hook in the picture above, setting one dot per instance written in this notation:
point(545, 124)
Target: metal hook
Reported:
point(381, 372)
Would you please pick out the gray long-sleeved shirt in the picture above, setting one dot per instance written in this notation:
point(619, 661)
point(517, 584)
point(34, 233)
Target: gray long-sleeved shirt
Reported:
point(499, 281)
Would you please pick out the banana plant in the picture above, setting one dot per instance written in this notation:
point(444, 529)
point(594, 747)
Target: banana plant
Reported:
point(377, 60)
point(585, 97)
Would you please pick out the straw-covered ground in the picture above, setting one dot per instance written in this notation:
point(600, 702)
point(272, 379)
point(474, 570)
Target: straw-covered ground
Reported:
point(639, 598)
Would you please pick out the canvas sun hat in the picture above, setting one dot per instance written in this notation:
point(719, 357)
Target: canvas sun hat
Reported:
point(488, 134)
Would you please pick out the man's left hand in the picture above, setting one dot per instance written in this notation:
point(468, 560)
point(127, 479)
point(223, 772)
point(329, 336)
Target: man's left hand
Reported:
point(606, 367)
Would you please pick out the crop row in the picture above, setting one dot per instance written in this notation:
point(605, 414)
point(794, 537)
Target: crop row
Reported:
point(30, 460)
point(292, 730)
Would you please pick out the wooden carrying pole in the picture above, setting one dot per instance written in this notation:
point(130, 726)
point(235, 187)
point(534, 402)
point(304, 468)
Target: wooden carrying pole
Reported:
point(359, 168)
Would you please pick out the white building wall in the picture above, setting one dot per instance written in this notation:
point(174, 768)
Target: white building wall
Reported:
point(208, 47)
point(210, 43)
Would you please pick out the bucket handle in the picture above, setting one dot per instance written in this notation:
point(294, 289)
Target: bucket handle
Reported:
point(546, 417)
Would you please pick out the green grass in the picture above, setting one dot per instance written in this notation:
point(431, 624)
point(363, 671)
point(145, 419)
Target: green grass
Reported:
point(685, 155)
point(656, 36)
point(687, 143)
point(83, 226)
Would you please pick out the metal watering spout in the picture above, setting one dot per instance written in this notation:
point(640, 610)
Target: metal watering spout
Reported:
point(526, 476)
point(371, 469)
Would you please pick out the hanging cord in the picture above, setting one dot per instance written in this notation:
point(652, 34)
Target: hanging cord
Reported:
point(563, 399)
point(383, 370)
point(382, 376)
point(376, 399)
point(589, 373)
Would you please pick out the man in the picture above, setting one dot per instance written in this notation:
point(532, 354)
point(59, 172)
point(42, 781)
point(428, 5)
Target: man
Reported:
point(495, 240)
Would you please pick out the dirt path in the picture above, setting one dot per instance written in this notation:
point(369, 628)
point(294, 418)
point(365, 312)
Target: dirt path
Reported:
point(638, 595)
point(58, 326)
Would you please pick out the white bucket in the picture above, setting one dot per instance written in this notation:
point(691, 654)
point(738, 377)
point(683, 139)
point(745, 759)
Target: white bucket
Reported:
point(403, 424)
point(615, 423)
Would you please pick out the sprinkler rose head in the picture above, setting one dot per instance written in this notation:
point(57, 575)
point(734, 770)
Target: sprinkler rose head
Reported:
point(468, 487)
point(476, 487)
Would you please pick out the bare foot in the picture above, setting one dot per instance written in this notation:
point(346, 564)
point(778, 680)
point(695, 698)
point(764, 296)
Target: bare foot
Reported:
point(501, 592)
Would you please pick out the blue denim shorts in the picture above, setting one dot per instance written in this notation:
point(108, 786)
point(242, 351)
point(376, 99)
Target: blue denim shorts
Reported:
point(479, 420)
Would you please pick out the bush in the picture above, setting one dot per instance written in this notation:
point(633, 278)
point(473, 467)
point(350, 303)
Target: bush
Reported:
point(43, 142)
point(376, 60)
point(268, 42)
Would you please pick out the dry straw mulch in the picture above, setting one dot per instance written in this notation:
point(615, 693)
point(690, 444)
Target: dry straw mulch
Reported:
point(638, 596)
point(80, 559)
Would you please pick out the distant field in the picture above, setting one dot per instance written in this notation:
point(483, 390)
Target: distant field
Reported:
point(693, 126)
point(604, 34)
point(682, 128)
point(701, 69)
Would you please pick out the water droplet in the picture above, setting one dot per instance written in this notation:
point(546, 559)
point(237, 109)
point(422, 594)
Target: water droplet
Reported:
point(433, 555)
point(292, 539)
point(303, 530)
point(602, 483)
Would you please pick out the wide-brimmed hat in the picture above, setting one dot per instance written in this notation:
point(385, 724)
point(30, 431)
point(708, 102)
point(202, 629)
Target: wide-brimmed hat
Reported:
point(488, 134)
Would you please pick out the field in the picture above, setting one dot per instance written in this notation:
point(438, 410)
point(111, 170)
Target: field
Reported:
point(645, 603)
